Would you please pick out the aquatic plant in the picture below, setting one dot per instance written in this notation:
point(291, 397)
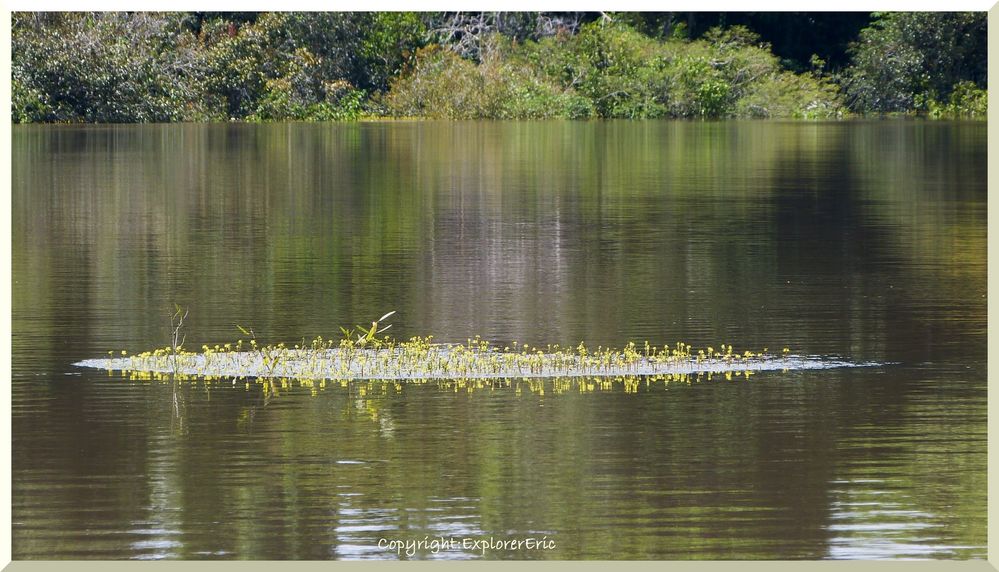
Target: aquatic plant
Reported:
point(176, 324)
point(365, 353)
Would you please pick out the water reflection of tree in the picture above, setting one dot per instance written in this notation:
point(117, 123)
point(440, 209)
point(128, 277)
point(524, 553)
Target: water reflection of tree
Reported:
point(644, 231)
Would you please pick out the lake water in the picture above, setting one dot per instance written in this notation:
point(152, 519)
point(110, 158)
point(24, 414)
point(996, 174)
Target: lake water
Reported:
point(859, 240)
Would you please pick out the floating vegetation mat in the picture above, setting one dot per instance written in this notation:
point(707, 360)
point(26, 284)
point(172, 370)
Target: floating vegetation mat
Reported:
point(421, 359)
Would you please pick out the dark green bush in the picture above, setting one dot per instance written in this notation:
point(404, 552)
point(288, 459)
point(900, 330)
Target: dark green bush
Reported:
point(305, 66)
point(967, 100)
point(616, 68)
point(126, 67)
point(904, 60)
point(112, 67)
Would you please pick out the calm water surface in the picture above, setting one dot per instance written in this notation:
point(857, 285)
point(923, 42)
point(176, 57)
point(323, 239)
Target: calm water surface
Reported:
point(860, 240)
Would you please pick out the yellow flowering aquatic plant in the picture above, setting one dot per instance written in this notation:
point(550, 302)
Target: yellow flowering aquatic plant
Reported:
point(362, 354)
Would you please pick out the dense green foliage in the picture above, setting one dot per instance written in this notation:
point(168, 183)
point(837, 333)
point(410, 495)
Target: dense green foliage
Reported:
point(108, 68)
point(442, 84)
point(916, 61)
point(156, 67)
point(115, 67)
point(612, 71)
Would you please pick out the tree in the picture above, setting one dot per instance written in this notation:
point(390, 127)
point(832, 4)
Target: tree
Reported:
point(906, 60)
point(102, 67)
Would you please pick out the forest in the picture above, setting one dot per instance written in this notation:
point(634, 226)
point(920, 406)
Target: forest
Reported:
point(139, 67)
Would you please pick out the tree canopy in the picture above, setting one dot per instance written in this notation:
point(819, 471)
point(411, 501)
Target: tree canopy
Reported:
point(221, 66)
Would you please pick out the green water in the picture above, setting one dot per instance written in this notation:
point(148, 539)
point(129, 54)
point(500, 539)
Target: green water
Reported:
point(859, 240)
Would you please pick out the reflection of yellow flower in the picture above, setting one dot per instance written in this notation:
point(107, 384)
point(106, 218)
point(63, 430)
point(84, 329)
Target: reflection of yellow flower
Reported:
point(123, 352)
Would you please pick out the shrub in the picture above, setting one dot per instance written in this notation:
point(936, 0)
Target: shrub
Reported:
point(389, 43)
point(270, 70)
point(967, 100)
point(135, 67)
point(785, 94)
point(904, 60)
point(108, 67)
point(27, 103)
point(616, 68)
point(610, 70)
point(442, 84)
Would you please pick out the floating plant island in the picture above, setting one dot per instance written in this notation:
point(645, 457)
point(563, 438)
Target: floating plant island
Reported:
point(369, 357)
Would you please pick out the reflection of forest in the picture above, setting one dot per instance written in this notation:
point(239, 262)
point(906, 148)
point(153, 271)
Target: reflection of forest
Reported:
point(860, 239)
point(777, 467)
point(709, 232)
